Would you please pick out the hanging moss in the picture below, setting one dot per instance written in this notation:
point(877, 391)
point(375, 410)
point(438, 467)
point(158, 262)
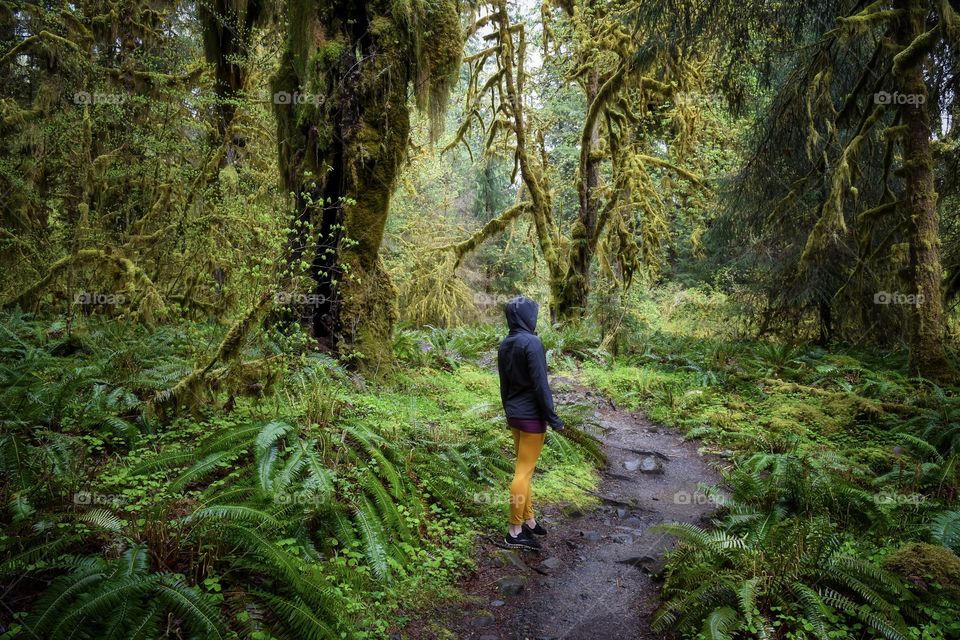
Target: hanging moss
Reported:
point(493, 227)
point(137, 286)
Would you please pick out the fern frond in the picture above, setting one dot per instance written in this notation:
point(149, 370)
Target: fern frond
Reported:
point(204, 467)
point(299, 618)
point(747, 597)
point(720, 622)
point(371, 530)
point(319, 477)
point(236, 513)
point(145, 627)
point(945, 529)
point(192, 606)
point(101, 601)
point(814, 610)
point(102, 519)
point(61, 592)
point(164, 461)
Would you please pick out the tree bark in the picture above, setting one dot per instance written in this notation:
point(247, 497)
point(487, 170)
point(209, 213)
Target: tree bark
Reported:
point(576, 286)
point(227, 26)
point(341, 144)
point(927, 356)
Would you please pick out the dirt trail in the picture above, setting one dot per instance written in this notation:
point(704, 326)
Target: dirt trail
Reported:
point(595, 577)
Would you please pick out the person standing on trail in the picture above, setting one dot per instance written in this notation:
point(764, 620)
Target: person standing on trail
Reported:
point(528, 403)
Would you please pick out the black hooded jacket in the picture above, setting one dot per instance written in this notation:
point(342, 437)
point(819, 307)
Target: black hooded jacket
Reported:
point(522, 364)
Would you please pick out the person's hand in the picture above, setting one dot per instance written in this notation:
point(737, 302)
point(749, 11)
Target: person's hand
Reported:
point(558, 425)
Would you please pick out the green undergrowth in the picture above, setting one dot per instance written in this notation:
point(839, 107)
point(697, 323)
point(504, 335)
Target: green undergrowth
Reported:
point(840, 477)
point(298, 500)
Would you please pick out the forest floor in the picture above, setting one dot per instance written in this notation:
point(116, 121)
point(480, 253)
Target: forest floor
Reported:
point(596, 575)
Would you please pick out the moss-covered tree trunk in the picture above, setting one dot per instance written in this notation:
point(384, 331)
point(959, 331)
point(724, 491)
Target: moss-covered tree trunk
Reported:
point(227, 26)
point(343, 123)
point(511, 63)
point(576, 285)
point(927, 356)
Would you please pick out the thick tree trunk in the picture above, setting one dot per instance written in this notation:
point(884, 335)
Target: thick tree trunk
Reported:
point(341, 144)
point(927, 357)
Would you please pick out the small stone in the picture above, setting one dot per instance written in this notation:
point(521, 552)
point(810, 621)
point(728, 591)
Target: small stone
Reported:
point(511, 585)
point(632, 464)
point(508, 557)
point(497, 603)
point(488, 636)
point(621, 512)
point(651, 465)
point(591, 536)
point(651, 566)
point(633, 521)
point(622, 538)
point(552, 563)
point(483, 620)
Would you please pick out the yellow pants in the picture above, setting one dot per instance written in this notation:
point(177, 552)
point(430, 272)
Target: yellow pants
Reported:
point(527, 447)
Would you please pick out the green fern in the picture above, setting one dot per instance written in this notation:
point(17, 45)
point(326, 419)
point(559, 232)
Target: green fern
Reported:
point(120, 599)
point(374, 543)
point(718, 582)
point(945, 530)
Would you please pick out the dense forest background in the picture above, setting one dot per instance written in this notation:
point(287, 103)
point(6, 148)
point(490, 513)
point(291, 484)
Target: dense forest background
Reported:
point(255, 255)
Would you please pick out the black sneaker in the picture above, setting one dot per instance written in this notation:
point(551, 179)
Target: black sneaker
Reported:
point(537, 530)
point(522, 541)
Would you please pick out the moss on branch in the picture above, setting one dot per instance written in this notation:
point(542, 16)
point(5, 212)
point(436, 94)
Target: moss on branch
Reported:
point(493, 227)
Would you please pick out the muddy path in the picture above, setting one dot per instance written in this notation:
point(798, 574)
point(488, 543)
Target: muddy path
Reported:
point(596, 576)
